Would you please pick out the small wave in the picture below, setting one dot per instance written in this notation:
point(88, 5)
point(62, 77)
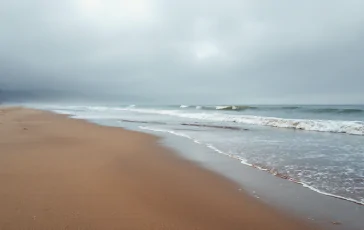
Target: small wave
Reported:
point(223, 107)
point(143, 122)
point(234, 107)
point(218, 107)
point(215, 126)
point(290, 107)
point(335, 111)
point(280, 107)
point(171, 132)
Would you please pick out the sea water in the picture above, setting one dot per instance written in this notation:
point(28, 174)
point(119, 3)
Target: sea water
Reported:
point(319, 147)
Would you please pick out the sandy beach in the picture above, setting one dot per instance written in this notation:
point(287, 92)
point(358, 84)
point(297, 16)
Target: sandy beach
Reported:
point(61, 173)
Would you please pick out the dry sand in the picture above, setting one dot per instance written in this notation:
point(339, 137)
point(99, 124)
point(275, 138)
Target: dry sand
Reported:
point(60, 173)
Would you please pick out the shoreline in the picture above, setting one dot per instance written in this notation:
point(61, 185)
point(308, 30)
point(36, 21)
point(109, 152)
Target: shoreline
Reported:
point(326, 211)
point(332, 187)
point(281, 194)
point(271, 171)
point(54, 174)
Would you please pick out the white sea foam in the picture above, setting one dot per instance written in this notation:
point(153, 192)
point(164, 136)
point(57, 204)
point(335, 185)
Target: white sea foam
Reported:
point(167, 131)
point(233, 107)
point(334, 126)
point(221, 107)
point(184, 106)
point(242, 160)
point(361, 202)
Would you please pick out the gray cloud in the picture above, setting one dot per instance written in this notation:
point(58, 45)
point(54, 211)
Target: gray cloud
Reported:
point(158, 51)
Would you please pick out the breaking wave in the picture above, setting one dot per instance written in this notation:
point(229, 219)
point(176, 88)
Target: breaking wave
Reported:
point(218, 107)
point(333, 126)
point(234, 107)
point(305, 109)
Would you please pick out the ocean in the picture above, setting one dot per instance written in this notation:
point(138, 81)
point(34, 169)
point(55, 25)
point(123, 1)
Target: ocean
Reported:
point(320, 147)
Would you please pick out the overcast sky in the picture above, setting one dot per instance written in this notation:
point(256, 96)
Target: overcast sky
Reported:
point(184, 51)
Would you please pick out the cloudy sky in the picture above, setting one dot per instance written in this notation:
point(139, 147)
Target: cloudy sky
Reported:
point(184, 51)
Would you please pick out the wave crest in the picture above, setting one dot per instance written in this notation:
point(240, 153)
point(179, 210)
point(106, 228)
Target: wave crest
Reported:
point(305, 109)
point(234, 107)
point(335, 110)
point(334, 126)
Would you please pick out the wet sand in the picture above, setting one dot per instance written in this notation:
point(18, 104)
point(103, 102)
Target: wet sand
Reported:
point(60, 173)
